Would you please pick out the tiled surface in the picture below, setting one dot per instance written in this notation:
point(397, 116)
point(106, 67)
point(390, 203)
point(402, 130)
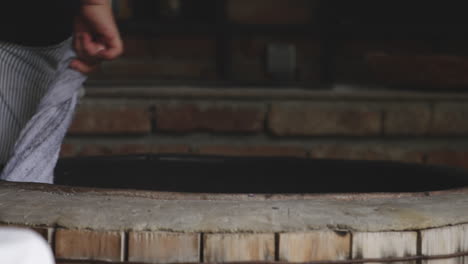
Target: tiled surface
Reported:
point(443, 241)
point(314, 246)
point(91, 247)
point(163, 247)
point(88, 245)
point(368, 245)
point(239, 247)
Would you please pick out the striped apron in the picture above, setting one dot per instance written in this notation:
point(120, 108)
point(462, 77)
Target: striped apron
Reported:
point(38, 95)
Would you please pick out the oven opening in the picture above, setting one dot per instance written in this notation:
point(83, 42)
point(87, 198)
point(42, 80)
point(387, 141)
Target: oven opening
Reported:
point(242, 175)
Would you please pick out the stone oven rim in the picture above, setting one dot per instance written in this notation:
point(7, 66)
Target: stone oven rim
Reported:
point(158, 195)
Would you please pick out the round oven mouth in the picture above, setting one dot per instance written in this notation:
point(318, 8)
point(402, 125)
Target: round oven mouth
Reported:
point(255, 175)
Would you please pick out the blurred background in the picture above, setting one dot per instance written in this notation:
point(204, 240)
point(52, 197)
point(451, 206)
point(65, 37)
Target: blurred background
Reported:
point(373, 80)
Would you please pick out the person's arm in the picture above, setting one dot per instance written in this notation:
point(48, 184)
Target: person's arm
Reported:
point(96, 37)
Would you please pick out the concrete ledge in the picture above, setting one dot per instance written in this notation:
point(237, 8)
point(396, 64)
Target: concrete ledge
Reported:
point(80, 208)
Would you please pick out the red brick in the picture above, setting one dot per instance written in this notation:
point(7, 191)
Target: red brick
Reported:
point(294, 119)
point(349, 152)
point(261, 151)
point(314, 246)
point(88, 245)
point(421, 70)
point(351, 60)
point(68, 150)
point(271, 11)
point(163, 247)
point(111, 120)
point(163, 68)
point(239, 247)
point(407, 119)
point(450, 119)
point(359, 48)
point(169, 46)
point(184, 47)
point(210, 118)
point(448, 158)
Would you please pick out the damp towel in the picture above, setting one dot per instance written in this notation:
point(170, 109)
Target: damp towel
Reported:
point(37, 147)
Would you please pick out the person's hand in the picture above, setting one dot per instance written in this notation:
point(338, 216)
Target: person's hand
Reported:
point(96, 37)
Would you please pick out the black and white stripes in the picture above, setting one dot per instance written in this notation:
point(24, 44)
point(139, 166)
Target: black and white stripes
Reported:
point(25, 77)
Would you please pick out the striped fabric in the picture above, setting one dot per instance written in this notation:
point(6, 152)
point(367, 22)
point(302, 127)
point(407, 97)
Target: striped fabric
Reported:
point(25, 76)
point(39, 93)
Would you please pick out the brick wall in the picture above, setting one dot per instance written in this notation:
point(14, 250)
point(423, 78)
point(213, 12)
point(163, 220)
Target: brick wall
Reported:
point(355, 43)
point(94, 246)
point(414, 127)
point(360, 43)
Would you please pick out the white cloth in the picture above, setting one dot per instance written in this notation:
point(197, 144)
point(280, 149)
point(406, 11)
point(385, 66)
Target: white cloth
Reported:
point(37, 149)
point(22, 246)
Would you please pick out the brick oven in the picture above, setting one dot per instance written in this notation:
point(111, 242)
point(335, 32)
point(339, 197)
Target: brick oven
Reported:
point(364, 84)
point(303, 81)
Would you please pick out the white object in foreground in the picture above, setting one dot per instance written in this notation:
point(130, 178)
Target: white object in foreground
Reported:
point(22, 246)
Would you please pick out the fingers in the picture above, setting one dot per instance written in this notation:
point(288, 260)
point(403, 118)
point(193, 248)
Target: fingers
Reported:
point(87, 49)
point(113, 48)
point(83, 67)
point(90, 47)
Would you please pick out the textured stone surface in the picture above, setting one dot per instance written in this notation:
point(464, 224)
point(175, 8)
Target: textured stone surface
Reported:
point(239, 247)
point(163, 247)
point(88, 245)
point(320, 119)
point(236, 213)
point(314, 246)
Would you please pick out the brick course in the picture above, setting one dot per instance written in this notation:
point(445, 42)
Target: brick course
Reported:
point(292, 119)
point(263, 151)
point(160, 247)
point(449, 158)
point(88, 245)
point(314, 246)
point(239, 247)
point(450, 119)
point(111, 120)
point(374, 152)
point(407, 119)
point(270, 11)
point(338, 129)
point(183, 118)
